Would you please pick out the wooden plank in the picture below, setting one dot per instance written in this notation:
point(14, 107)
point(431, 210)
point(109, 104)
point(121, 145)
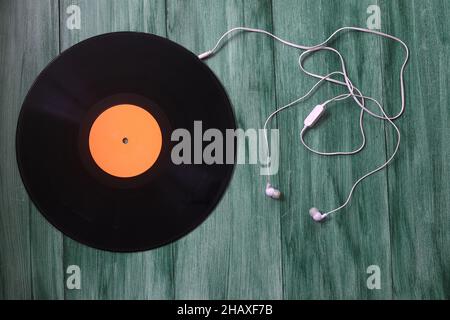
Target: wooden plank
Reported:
point(236, 252)
point(419, 184)
point(30, 249)
point(108, 275)
point(329, 260)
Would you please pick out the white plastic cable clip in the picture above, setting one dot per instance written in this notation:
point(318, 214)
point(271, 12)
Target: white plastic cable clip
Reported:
point(314, 115)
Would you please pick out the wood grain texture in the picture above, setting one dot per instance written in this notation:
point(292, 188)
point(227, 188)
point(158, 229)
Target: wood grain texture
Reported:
point(251, 247)
point(106, 275)
point(329, 260)
point(419, 181)
point(30, 249)
point(46, 242)
point(236, 252)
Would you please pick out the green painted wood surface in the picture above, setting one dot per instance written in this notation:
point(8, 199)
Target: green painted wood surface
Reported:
point(30, 249)
point(251, 247)
point(419, 181)
point(330, 259)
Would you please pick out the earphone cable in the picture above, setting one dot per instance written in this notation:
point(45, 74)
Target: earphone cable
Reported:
point(353, 92)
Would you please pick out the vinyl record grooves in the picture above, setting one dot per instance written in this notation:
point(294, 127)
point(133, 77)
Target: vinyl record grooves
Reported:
point(94, 141)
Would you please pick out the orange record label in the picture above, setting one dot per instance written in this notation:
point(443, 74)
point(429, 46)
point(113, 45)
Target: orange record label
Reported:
point(125, 140)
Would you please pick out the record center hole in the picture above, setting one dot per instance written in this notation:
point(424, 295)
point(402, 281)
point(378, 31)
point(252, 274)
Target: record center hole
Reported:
point(125, 140)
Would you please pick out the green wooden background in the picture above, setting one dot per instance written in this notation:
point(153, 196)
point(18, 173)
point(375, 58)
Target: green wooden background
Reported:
point(251, 247)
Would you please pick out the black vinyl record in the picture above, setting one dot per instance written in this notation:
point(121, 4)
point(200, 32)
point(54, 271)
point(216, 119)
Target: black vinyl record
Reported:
point(71, 109)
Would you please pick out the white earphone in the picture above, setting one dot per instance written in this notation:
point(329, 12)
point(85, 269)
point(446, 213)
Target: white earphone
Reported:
point(319, 110)
point(272, 192)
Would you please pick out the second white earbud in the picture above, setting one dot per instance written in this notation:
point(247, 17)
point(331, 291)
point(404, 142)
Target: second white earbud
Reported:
point(316, 214)
point(272, 192)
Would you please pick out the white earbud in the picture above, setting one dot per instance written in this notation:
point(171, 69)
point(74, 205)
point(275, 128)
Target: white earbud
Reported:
point(316, 214)
point(272, 192)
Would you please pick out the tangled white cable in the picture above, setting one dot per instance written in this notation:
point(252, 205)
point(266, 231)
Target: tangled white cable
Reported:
point(319, 110)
